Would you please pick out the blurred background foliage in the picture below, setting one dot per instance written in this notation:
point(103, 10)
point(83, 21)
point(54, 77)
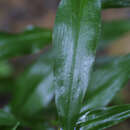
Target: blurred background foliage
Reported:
point(25, 67)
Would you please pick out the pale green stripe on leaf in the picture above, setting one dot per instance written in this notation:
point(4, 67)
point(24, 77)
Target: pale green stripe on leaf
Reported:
point(75, 37)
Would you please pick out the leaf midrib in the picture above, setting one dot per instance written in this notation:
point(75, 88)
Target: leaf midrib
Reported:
point(81, 5)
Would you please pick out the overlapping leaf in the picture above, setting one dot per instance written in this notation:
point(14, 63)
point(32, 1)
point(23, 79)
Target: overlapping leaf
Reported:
point(102, 118)
point(31, 40)
point(33, 89)
point(107, 81)
point(35, 38)
point(75, 37)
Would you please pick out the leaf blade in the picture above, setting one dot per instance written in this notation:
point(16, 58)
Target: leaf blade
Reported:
point(76, 47)
point(34, 85)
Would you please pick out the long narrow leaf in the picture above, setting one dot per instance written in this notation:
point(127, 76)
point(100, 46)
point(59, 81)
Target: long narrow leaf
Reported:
point(103, 118)
point(106, 82)
point(115, 3)
point(76, 34)
point(12, 45)
point(33, 90)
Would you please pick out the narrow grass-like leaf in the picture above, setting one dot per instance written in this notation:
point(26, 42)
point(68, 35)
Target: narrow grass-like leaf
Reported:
point(29, 41)
point(106, 82)
point(75, 37)
point(7, 119)
point(102, 118)
point(115, 3)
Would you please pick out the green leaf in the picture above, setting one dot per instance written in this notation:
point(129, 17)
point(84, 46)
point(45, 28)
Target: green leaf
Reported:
point(7, 119)
point(102, 118)
point(16, 126)
point(34, 88)
point(75, 37)
point(106, 82)
point(29, 41)
point(113, 30)
point(115, 3)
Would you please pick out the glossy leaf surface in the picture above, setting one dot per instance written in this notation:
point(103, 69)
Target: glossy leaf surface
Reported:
point(102, 118)
point(115, 3)
point(106, 82)
point(7, 119)
point(75, 37)
point(31, 40)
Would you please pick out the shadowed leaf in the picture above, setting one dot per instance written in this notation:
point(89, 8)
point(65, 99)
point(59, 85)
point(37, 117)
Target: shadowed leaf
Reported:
point(34, 88)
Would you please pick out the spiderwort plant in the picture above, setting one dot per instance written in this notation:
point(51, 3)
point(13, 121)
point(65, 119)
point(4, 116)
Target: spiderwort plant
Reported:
point(68, 72)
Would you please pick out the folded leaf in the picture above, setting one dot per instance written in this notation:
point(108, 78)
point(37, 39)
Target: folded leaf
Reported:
point(102, 118)
point(34, 88)
point(7, 119)
point(106, 82)
point(115, 3)
point(75, 37)
point(31, 40)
